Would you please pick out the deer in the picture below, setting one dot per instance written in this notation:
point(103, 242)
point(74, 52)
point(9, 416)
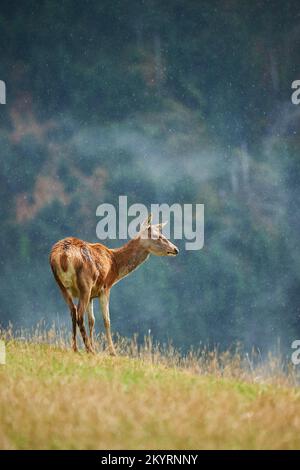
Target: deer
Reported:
point(86, 271)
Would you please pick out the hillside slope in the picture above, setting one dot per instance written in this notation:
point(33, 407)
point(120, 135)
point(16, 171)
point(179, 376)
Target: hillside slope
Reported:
point(52, 398)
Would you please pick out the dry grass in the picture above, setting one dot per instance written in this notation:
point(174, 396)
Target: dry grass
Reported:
point(145, 398)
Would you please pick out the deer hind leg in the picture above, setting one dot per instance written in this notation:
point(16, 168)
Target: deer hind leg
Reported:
point(73, 309)
point(104, 302)
point(81, 308)
point(84, 299)
point(91, 317)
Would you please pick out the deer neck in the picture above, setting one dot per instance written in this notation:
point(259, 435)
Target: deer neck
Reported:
point(129, 257)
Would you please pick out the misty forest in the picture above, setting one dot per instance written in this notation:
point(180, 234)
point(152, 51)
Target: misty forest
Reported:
point(164, 102)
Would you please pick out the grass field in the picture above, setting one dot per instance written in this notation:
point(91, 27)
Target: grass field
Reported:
point(53, 398)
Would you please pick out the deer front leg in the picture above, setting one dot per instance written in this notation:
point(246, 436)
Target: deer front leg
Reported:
point(104, 302)
point(91, 317)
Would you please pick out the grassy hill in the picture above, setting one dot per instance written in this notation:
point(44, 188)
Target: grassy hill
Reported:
point(53, 398)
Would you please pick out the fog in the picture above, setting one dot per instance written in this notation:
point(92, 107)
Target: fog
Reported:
point(160, 121)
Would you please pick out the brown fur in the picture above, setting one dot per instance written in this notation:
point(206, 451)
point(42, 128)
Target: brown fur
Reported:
point(96, 268)
point(88, 270)
point(64, 262)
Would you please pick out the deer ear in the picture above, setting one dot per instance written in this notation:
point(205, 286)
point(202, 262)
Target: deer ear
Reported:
point(147, 222)
point(161, 226)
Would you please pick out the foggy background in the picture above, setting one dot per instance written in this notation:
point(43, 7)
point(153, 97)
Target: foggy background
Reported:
point(165, 102)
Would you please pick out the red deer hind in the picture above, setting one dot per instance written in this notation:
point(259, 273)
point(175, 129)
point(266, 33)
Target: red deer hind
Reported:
point(88, 270)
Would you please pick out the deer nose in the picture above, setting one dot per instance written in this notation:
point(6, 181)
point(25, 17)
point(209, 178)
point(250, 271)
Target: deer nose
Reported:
point(176, 250)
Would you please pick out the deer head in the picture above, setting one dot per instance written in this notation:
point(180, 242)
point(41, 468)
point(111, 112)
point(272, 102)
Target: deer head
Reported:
point(154, 241)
